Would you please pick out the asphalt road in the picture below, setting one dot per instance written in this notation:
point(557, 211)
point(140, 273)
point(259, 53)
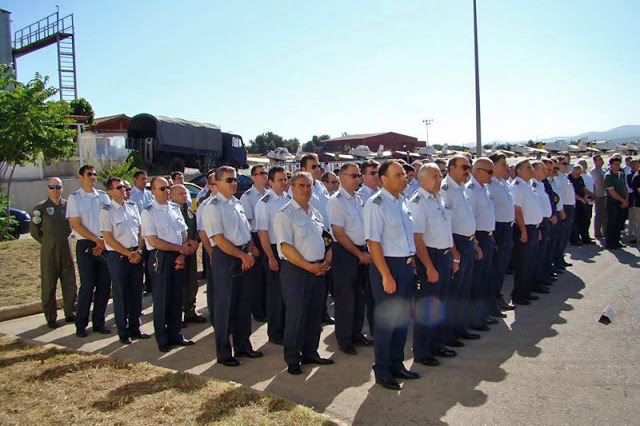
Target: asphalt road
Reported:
point(548, 363)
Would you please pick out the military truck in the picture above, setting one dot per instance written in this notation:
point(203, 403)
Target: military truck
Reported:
point(170, 144)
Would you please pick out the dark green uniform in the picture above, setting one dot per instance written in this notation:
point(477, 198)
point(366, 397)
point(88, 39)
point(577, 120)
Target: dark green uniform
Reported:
point(190, 289)
point(51, 229)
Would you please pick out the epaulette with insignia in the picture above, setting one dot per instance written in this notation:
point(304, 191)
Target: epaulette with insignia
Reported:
point(215, 201)
point(265, 198)
point(534, 184)
point(339, 195)
point(415, 198)
point(148, 208)
point(100, 191)
point(471, 186)
point(130, 202)
point(377, 200)
point(171, 203)
point(517, 182)
point(106, 207)
point(445, 187)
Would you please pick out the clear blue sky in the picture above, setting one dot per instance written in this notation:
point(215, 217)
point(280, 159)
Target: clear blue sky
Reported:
point(299, 68)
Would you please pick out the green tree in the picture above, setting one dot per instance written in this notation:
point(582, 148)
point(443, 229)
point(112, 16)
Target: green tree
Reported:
point(109, 168)
point(315, 143)
point(32, 128)
point(269, 141)
point(82, 107)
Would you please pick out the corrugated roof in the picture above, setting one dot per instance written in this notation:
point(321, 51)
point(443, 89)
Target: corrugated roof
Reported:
point(109, 118)
point(354, 137)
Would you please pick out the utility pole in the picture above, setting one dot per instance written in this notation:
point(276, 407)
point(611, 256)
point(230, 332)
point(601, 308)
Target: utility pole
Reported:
point(427, 122)
point(475, 45)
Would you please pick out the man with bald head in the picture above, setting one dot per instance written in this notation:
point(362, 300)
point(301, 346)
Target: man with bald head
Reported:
point(51, 229)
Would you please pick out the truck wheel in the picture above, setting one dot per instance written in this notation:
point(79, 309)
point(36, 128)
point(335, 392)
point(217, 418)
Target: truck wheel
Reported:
point(177, 165)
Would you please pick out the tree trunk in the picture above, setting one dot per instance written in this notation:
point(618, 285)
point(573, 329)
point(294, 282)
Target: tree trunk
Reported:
point(5, 230)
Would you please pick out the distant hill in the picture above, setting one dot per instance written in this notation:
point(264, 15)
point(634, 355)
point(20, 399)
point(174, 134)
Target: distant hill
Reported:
point(619, 135)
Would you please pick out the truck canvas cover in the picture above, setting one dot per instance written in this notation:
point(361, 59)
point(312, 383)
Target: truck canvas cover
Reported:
point(176, 134)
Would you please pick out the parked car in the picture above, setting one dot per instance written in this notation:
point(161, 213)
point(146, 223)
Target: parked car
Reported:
point(23, 220)
point(193, 191)
point(244, 183)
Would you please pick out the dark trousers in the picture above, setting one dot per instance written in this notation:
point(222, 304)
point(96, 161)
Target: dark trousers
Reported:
point(259, 284)
point(567, 226)
point(95, 284)
point(209, 276)
point(481, 284)
point(232, 304)
point(554, 232)
point(460, 291)
point(539, 271)
point(126, 282)
point(190, 286)
point(56, 262)
point(524, 266)
point(349, 281)
point(615, 222)
point(580, 229)
point(430, 304)
point(167, 297)
point(504, 247)
point(148, 270)
point(391, 316)
point(275, 302)
point(600, 220)
point(303, 295)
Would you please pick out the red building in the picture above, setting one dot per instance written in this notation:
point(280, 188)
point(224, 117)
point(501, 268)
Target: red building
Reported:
point(392, 142)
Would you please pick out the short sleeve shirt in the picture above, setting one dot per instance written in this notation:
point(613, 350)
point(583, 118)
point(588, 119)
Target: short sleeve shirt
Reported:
point(164, 221)
point(123, 221)
point(431, 219)
point(266, 210)
point(227, 217)
point(456, 200)
point(482, 205)
point(249, 200)
point(87, 206)
point(347, 211)
point(527, 200)
point(388, 221)
point(300, 229)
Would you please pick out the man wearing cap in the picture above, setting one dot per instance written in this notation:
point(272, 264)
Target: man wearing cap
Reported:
point(51, 229)
point(83, 212)
point(299, 230)
point(616, 186)
point(437, 258)
point(120, 226)
point(388, 230)
point(226, 225)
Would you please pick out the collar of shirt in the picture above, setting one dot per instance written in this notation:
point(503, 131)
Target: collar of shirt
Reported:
point(536, 181)
point(222, 198)
point(389, 196)
point(164, 206)
point(426, 194)
point(92, 193)
point(346, 194)
point(475, 182)
point(117, 206)
point(449, 180)
point(520, 180)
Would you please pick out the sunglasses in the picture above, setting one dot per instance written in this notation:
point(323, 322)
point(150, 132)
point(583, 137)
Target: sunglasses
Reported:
point(119, 187)
point(353, 175)
point(54, 186)
point(260, 174)
point(164, 188)
point(556, 168)
point(373, 173)
point(465, 167)
point(565, 164)
point(91, 174)
point(315, 166)
point(489, 171)
point(231, 180)
point(127, 189)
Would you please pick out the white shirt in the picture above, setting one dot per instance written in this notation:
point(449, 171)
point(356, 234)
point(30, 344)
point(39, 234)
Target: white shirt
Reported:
point(543, 197)
point(227, 217)
point(249, 200)
point(200, 211)
point(164, 221)
point(365, 192)
point(560, 205)
point(411, 188)
point(319, 200)
point(589, 183)
point(142, 198)
point(266, 210)
point(567, 193)
point(300, 229)
point(347, 211)
point(456, 200)
point(387, 220)
point(482, 205)
point(431, 219)
point(123, 221)
point(527, 200)
point(87, 206)
point(502, 200)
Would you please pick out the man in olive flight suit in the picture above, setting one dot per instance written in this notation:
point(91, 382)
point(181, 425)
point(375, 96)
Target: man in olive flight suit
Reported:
point(51, 229)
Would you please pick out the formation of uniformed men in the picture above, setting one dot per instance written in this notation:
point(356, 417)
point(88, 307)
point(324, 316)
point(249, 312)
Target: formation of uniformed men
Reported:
point(433, 249)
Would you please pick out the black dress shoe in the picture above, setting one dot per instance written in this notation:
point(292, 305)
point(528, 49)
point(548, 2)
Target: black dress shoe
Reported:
point(491, 321)
point(429, 362)
point(139, 335)
point(533, 297)
point(164, 349)
point(504, 306)
point(319, 361)
point(183, 342)
point(249, 354)
point(260, 318)
point(101, 330)
point(349, 350)
point(388, 383)
point(294, 369)
point(470, 336)
point(455, 343)
point(277, 341)
point(406, 374)
point(591, 242)
point(519, 301)
point(126, 340)
point(70, 318)
point(327, 320)
point(498, 314)
point(483, 327)
point(362, 341)
point(81, 332)
point(197, 319)
point(566, 264)
point(52, 324)
point(445, 353)
point(540, 290)
point(229, 362)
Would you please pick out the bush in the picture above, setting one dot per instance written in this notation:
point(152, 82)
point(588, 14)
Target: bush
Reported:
point(7, 222)
point(108, 168)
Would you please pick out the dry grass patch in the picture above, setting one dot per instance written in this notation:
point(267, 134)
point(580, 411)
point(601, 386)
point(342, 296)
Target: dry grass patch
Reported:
point(46, 384)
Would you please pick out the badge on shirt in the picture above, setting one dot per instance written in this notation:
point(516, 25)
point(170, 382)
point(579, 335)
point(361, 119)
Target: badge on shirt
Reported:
point(50, 211)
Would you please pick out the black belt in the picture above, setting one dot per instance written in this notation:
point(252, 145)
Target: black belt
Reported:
point(465, 237)
point(243, 247)
point(361, 248)
point(490, 233)
point(133, 248)
point(439, 251)
point(533, 226)
point(505, 223)
point(316, 261)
